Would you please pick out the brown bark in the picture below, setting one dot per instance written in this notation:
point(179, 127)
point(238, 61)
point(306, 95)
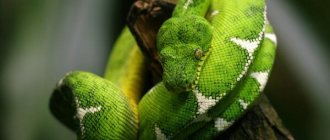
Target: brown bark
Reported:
point(259, 123)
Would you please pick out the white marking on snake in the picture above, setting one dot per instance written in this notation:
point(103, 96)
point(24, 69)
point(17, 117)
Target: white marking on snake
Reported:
point(221, 124)
point(62, 79)
point(204, 103)
point(272, 37)
point(159, 134)
point(261, 77)
point(243, 104)
point(215, 12)
point(250, 46)
point(81, 112)
point(185, 6)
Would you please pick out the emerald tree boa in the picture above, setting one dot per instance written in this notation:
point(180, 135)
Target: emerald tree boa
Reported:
point(216, 55)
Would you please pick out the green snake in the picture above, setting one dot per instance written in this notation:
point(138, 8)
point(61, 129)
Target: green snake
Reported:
point(216, 56)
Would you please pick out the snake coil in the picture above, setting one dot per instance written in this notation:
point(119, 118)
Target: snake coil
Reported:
point(216, 56)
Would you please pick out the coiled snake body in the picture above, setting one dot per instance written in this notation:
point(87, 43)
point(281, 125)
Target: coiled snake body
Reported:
point(216, 56)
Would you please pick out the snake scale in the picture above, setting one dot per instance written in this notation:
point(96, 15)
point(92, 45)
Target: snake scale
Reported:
point(216, 56)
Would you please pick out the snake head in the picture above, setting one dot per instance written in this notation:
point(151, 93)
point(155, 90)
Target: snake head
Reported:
point(182, 43)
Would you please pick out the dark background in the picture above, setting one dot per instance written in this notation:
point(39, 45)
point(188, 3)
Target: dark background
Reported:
point(42, 40)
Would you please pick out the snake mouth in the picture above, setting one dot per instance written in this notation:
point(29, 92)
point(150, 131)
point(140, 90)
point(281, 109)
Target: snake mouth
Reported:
point(199, 68)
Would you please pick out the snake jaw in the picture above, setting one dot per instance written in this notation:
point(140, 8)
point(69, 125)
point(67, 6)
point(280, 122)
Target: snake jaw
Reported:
point(199, 69)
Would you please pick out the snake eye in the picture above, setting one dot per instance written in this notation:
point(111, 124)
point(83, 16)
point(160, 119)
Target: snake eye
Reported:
point(198, 54)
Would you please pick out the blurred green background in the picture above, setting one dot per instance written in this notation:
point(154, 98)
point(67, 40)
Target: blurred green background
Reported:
point(42, 40)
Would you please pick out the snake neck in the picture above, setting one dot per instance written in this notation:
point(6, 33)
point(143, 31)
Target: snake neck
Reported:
point(199, 68)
